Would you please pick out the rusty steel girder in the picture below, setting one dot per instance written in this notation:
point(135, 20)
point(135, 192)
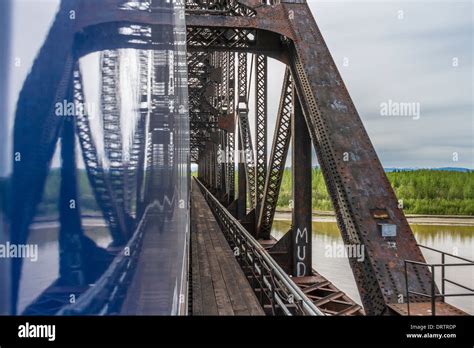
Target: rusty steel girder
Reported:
point(260, 126)
point(353, 173)
point(360, 192)
point(246, 155)
point(203, 115)
point(276, 166)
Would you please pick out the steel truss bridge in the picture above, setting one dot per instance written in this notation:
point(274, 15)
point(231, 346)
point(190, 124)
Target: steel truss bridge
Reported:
point(195, 63)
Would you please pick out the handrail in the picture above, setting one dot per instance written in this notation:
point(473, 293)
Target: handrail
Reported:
point(103, 297)
point(273, 281)
point(445, 253)
point(433, 266)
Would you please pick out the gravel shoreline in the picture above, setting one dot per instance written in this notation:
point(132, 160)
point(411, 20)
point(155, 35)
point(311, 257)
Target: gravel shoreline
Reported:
point(440, 220)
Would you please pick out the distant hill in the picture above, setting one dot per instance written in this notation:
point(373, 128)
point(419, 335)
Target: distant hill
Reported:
point(447, 169)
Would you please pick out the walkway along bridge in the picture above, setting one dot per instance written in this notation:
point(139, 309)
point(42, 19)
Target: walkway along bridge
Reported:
point(204, 246)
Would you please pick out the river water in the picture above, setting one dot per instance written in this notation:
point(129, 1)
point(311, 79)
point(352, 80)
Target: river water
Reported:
point(458, 240)
point(453, 239)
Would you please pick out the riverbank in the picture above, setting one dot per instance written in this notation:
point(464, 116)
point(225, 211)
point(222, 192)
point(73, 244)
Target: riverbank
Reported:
point(413, 219)
point(318, 215)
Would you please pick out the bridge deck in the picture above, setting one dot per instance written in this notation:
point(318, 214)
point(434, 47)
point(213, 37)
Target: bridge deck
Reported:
point(219, 285)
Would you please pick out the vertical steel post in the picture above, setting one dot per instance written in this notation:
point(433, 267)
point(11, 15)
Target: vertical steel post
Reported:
point(202, 155)
point(222, 164)
point(242, 181)
point(242, 108)
point(215, 166)
point(443, 275)
point(301, 181)
point(230, 135)
point(407, 288)
point(433, 291)
point(71, 263)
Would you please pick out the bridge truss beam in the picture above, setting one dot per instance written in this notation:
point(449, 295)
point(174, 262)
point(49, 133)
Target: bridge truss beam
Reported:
point(261, 95)
point(287, 31)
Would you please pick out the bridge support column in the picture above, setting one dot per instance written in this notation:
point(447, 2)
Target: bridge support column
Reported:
point(301, 181)
point(222, 166)
point(230, 167)
point(242, 181)
point(242, 110)
point(71, 261)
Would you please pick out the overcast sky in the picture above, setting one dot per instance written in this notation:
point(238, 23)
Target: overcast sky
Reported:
point(399, 51)
point(408, 60)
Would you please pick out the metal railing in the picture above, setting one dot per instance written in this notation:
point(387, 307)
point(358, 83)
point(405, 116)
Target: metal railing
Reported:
point(272, 285)
point(433, 295)
point(106, 295)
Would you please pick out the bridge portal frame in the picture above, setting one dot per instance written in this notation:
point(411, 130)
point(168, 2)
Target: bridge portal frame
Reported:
point(360, 192)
